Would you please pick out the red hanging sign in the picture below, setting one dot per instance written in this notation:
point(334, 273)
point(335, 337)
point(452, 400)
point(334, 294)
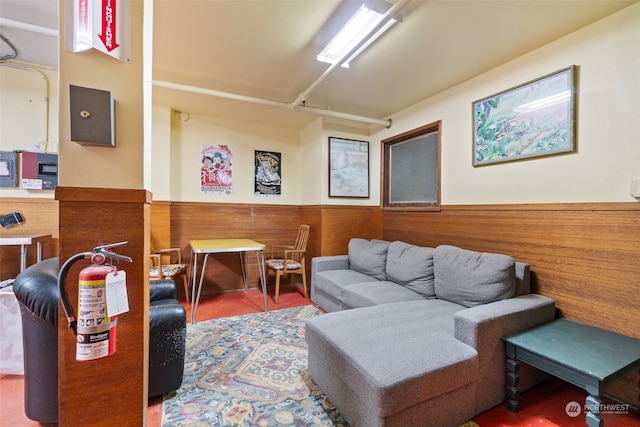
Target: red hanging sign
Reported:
point(104, 25)
point(109, 19)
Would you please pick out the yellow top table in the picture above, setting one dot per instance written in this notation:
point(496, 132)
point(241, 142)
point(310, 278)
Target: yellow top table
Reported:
point(24, 242)
point(215, 246)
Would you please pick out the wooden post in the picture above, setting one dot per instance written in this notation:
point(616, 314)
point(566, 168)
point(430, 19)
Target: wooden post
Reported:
point(112, 390)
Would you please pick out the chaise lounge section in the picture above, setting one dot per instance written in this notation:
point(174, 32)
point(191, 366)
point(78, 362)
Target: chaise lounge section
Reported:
point(413, 334)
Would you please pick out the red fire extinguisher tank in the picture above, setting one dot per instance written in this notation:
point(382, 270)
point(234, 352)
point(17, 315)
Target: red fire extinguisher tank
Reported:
point(96, 331)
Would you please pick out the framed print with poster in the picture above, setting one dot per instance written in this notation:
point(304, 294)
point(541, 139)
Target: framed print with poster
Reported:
point(268, 173)
point(535, 119)
point(348, 168)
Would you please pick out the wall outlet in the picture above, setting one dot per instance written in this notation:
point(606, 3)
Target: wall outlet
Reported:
point(635, 188)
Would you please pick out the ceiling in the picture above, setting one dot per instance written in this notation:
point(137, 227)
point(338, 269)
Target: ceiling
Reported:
point(266, 50)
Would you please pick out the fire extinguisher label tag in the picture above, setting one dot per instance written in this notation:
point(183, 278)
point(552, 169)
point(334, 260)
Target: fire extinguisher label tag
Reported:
point(117, 300)
point(96, 329)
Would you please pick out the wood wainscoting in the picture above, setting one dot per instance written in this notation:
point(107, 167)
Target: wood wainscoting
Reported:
point(331, 229)
point(585, 256)
point(160, 224)
point(41, 217)
point(268, 224)
point(335, 225)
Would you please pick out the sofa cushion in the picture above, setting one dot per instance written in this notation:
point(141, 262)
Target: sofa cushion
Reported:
point(366, 294)
point(333, 282)
point(472, 278)
point(411, 266)
point(368, 257)
point(395, 355)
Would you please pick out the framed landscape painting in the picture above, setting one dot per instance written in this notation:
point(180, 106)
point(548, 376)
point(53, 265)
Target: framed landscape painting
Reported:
point(348, 168)
point(535, 119)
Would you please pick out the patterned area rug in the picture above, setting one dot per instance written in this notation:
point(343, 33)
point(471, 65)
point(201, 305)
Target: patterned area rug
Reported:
point(249, 370)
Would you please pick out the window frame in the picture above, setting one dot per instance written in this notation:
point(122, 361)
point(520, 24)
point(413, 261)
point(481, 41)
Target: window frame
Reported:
point(387, 153)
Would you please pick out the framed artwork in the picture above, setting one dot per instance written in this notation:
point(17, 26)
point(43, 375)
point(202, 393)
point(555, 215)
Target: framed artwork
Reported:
point(267, 173)
point(216, 170)
point(348, 168)
point(534, 119)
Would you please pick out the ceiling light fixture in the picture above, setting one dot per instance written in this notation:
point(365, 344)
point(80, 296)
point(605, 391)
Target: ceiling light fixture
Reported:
point(368, 16)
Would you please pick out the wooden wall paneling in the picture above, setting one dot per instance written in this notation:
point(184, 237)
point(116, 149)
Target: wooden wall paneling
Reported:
point(160, 224)
point(268, 224)
point(89, 391)
point(331, 228)
point(41, 217)
point(312, 215)
point(585, 256)
point(283, 223)
point(342, 223)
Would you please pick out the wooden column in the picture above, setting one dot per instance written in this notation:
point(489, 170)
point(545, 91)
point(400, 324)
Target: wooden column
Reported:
point(113, 390)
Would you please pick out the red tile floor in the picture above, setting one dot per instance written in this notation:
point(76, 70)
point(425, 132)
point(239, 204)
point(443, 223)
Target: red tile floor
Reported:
point(542, 406)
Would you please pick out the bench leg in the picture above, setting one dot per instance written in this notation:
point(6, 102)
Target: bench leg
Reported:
point(512, 385)
point(592, 416)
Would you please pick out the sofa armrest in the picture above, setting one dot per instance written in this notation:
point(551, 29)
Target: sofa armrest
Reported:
point(334, 262)
point(503, 317)
point(483, 326)
point(162, 289)
point(523, 279)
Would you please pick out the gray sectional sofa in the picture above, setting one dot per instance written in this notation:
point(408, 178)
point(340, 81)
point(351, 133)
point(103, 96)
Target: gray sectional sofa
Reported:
point(412, 336)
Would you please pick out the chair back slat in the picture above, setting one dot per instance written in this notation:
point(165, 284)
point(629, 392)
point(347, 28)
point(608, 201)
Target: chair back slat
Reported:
point(301, 242)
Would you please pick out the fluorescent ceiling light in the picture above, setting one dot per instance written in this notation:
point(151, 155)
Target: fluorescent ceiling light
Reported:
point(353, 33)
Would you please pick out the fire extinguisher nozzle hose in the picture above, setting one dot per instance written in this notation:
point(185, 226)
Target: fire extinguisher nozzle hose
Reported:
point(64, 297)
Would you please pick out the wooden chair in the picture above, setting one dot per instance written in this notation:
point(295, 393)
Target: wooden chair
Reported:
point(292, 261)
point(171, 270)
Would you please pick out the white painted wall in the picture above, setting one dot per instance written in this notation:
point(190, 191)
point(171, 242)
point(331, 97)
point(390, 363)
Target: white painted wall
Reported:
point(314, 169)
point(160, 163)
point(244, 138)
point(607, 54)
point(28, 115)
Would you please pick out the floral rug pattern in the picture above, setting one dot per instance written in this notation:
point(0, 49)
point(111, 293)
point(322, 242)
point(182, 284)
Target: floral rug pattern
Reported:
point(249, 370)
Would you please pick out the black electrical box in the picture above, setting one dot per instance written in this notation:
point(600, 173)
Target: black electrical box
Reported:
point(92, 116)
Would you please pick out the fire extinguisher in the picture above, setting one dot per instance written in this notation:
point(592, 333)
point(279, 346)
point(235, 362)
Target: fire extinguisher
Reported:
point(95, 330)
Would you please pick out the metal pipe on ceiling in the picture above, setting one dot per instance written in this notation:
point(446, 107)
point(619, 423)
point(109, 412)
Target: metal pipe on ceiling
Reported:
point(330, 113)
point(12, 23)
point(261, 101)
point(218, 93)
